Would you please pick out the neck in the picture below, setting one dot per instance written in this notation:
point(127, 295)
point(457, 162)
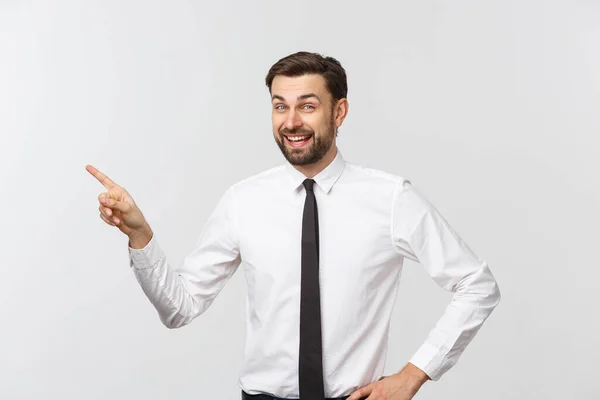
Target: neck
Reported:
point(312, 170)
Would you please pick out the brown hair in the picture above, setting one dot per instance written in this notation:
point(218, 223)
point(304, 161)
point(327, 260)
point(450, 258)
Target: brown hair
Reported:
point(303, 62)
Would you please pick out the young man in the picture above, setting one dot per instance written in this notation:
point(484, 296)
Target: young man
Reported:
point(322, 243)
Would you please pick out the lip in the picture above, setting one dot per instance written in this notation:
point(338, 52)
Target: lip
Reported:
point(294, 144)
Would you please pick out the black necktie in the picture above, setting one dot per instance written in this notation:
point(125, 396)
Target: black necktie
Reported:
point(310, 372)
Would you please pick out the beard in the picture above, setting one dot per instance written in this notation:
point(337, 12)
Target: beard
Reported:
point(311, 154)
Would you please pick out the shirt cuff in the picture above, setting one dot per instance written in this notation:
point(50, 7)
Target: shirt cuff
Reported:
point(147, 256)
point(432, 361)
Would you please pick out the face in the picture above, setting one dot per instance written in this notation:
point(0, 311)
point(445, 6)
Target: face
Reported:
point(303, 116)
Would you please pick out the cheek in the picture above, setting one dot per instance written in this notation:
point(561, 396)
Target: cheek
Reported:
point(318, 122)
point(315, 126)
point(277, 122)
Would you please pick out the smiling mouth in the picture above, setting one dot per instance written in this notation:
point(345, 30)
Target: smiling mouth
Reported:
point(298, 140)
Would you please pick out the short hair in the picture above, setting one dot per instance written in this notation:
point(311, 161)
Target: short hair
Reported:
point(303, 63)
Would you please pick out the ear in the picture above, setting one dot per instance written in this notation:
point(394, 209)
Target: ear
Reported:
point(340, 111)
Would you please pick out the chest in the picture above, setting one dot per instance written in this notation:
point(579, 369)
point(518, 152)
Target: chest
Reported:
point(354, 236)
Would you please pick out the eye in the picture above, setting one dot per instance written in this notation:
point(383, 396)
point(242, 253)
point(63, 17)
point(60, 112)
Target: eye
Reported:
point(279, 107)
point(308, 107)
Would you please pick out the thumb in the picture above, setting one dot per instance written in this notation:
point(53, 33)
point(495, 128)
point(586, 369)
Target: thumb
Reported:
point(361, 393)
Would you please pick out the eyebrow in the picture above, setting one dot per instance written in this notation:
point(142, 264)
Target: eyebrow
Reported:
point(301, 97)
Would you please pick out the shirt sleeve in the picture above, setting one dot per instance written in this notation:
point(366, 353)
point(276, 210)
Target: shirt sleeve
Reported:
point(421, 233)
point(181, 294)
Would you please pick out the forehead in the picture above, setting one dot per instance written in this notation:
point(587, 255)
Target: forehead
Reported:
point(292, 87)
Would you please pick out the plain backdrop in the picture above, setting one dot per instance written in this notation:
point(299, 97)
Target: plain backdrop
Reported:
point(490, 108)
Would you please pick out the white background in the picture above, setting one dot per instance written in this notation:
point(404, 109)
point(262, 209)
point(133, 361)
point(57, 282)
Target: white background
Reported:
point(490, 108)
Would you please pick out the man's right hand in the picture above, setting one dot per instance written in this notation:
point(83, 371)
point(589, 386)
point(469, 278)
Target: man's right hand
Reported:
point(117, 208)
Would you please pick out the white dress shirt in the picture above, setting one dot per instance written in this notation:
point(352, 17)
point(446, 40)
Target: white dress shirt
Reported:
point(369, 221)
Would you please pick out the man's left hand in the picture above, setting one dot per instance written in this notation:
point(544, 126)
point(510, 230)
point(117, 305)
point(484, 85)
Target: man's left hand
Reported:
point(400, 386)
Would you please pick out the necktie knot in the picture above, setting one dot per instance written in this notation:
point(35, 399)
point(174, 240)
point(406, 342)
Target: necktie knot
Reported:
point(308, 184)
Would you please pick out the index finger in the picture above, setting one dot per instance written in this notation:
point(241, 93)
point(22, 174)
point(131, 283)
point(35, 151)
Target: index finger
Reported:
point(103, 179)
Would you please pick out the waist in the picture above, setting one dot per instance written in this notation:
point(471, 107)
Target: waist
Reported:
point(246, 396)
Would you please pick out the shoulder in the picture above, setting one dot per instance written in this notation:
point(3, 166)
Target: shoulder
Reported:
point(404, 195)
point(377, 176)
point(269, 178)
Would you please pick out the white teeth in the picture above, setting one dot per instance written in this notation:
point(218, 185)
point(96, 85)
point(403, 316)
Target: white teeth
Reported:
point(297, 139)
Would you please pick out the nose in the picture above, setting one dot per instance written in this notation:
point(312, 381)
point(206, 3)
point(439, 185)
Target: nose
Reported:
point(293, 120)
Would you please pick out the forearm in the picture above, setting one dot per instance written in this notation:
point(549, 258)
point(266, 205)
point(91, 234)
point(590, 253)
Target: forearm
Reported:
point(163, 286)
point(472, 303)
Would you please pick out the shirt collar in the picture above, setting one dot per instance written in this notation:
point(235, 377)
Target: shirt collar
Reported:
point(324, 179)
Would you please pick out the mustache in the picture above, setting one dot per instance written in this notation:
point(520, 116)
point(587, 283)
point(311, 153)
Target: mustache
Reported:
point(286, 131)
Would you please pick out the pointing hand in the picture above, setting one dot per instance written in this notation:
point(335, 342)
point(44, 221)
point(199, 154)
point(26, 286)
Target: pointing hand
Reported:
point(117, 207)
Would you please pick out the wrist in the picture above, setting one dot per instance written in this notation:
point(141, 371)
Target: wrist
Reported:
point(140, 238)
point(415, 377)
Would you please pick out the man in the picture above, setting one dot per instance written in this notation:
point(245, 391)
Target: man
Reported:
point(322, 243)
